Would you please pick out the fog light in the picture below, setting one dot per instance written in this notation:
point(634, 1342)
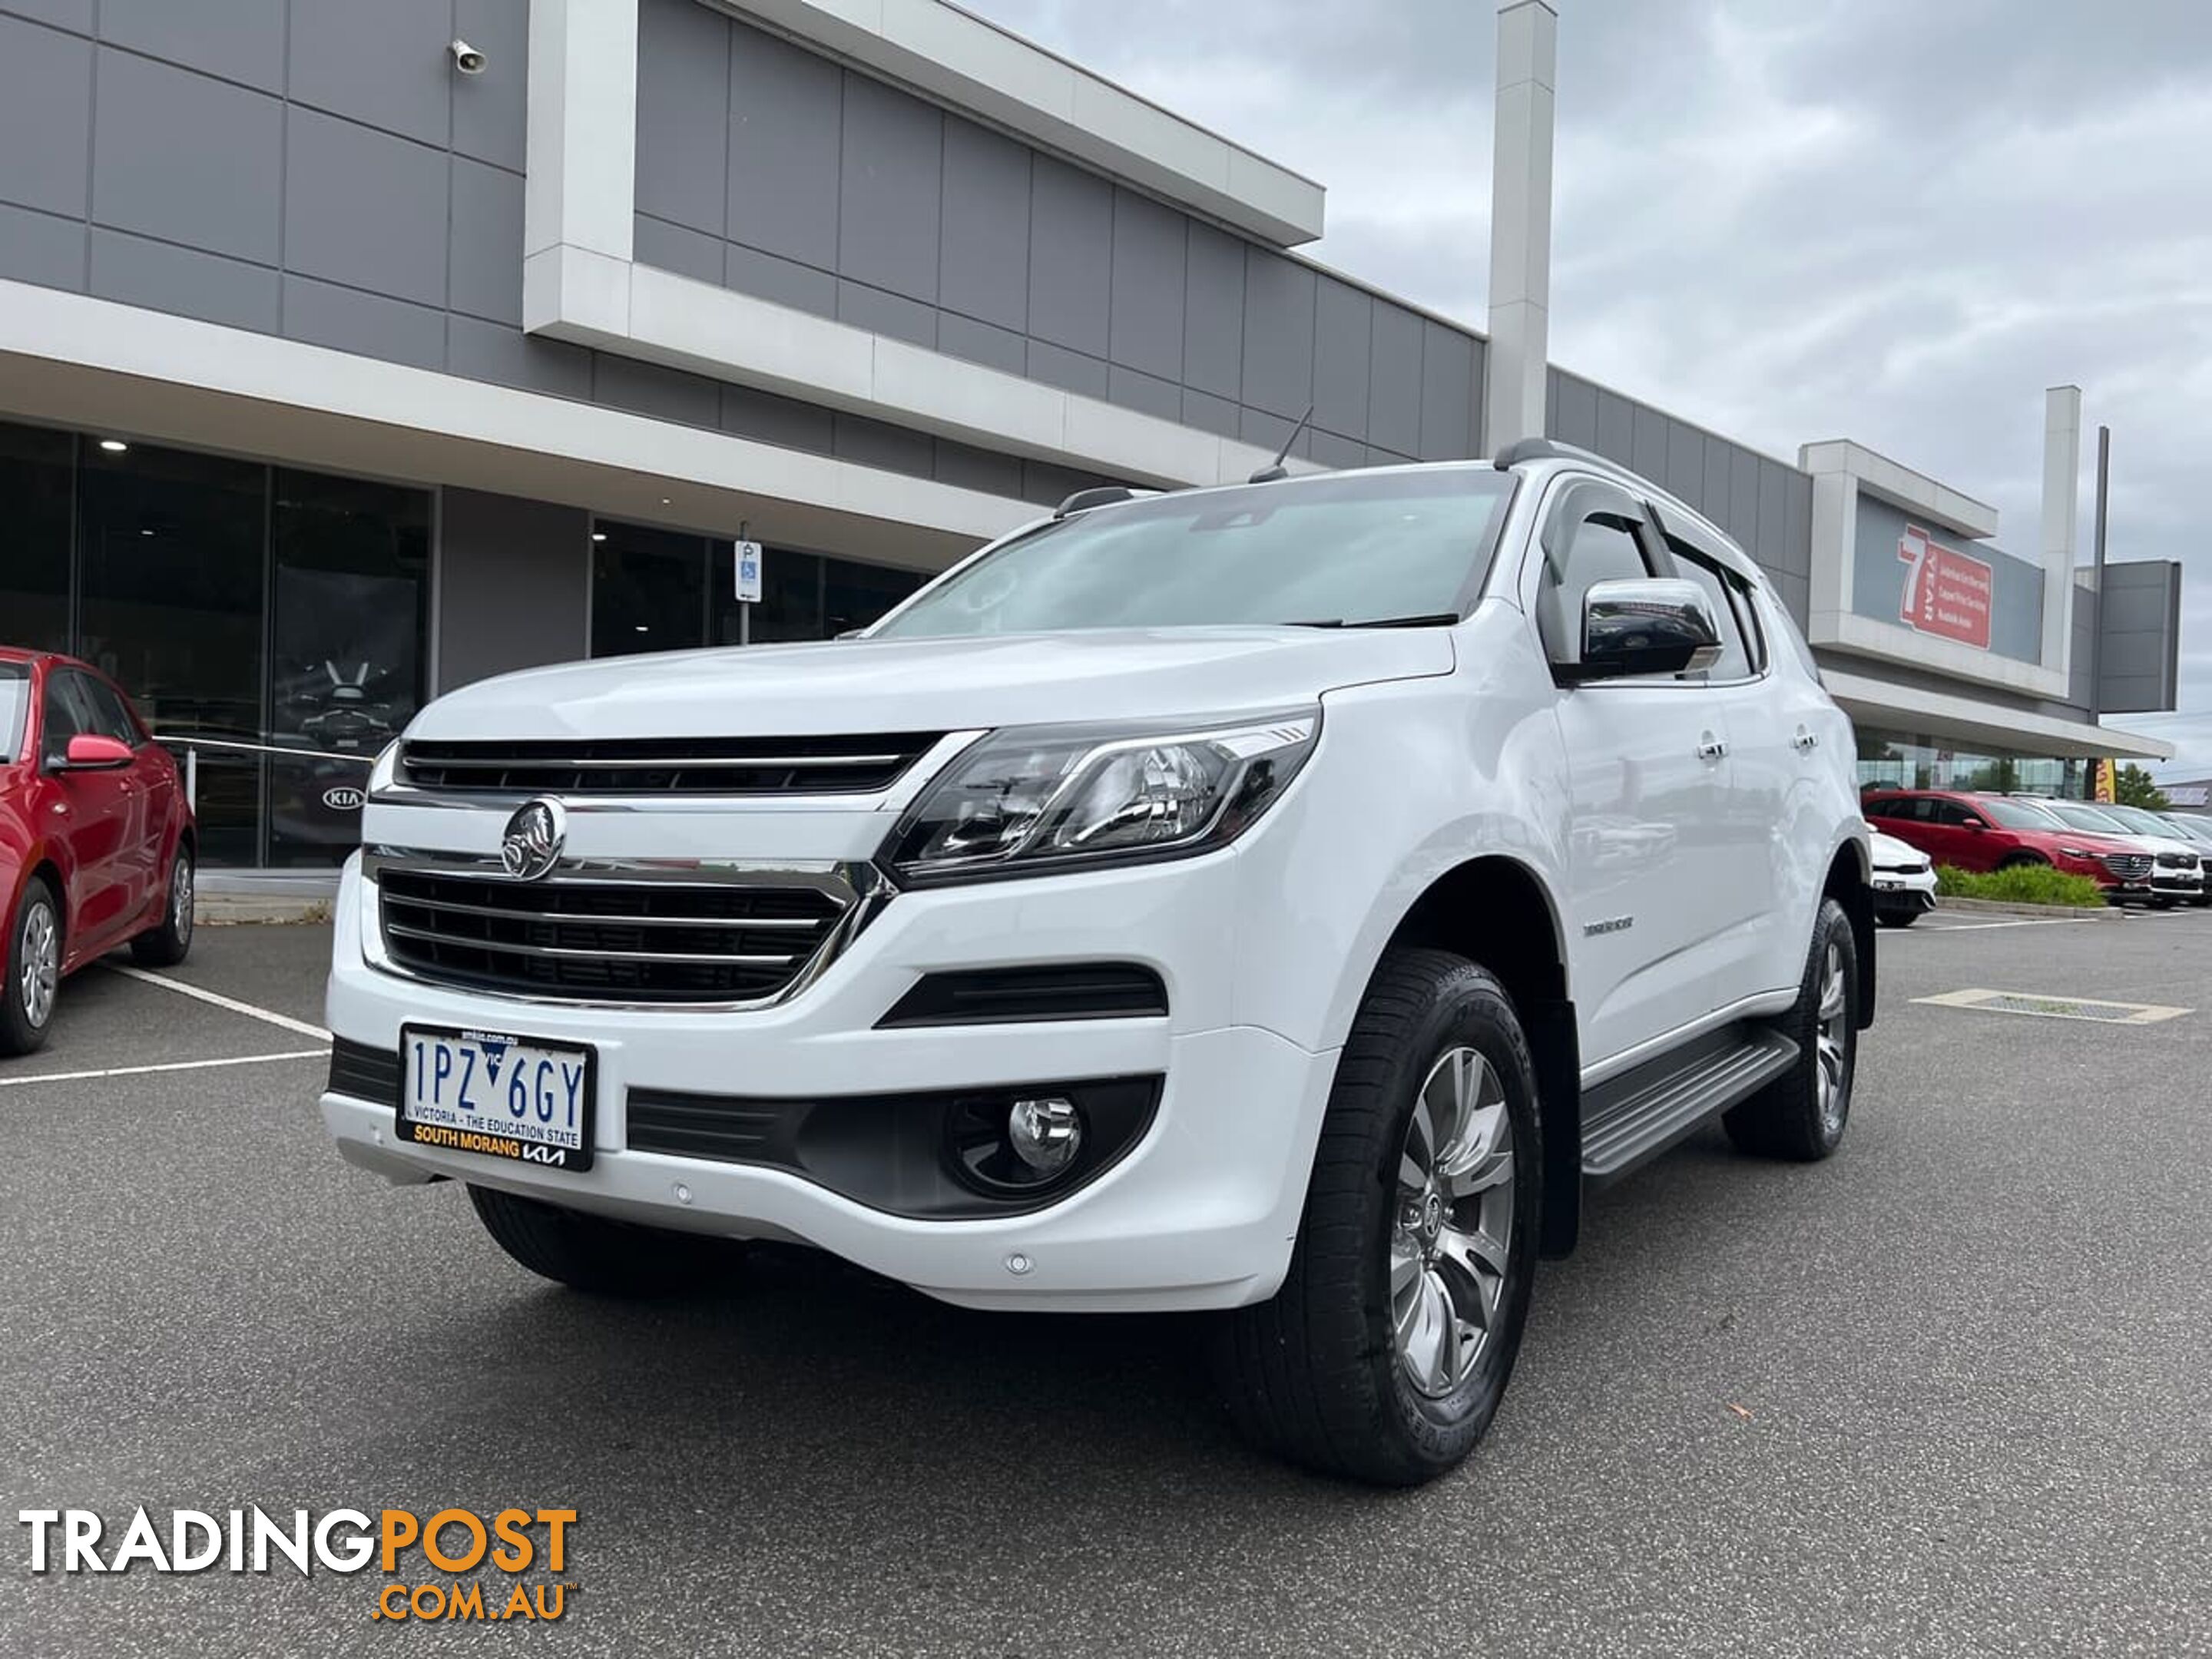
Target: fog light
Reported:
point(1046, 1134)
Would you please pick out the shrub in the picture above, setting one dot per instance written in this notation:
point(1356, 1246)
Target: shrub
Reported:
point(2022, 883)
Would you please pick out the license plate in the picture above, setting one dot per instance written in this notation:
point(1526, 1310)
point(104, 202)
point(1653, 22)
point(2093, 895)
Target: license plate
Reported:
point(1884, 885)
point(497, 1094)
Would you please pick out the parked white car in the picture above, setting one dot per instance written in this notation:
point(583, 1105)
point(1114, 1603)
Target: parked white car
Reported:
point(2177, 871)
point(1279, 900)
point(1904, 881)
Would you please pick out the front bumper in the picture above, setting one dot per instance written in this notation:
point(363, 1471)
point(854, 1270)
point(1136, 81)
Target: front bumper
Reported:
point(1905, 891)
point(1199, 1213)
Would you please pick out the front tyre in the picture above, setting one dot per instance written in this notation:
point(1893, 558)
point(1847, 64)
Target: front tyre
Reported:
point(171, 942)
point(1384, 1355)
point(34, 957)
point(606, 1258)
point(1801, 1113)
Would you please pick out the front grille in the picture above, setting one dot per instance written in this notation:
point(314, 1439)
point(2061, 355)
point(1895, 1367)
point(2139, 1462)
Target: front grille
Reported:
point(2128, 866)
point(646, 941)
point(2177, 861)
point(1912, 869)
point(667, 766)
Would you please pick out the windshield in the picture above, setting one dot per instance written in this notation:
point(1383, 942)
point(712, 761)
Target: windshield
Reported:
point(2143, 823)
point(2088, 817)
point(1336, 549)
point(2017, 814)
point(15, 699)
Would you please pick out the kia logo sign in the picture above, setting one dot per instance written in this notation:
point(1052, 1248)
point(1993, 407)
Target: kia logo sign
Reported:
point(344, 798)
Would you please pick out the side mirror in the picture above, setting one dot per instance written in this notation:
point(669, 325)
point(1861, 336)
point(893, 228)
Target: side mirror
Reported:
point(1976, 825)
point(90, 752)
point(1644, 625)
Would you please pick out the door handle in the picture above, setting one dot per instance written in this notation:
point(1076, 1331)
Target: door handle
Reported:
point(1710, 747)
point(1805, 742)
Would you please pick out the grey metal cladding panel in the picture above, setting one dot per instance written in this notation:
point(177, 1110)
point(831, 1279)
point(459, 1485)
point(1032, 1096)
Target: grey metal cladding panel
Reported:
point(384, 63)
point(1649, 444)
point(1071, 371)
point(1071, 255)
point(1616, 427)
point(683, 113)
point(785, 120)
point(62, 13)
point(163, 277)
point(1150, 244)
point(1330, 450)
point(46, 118)
point(514, 584)
point(784, 281)
point(1774, 508)
point(367, 324)
point(878, 443)
point(1343, 345)
point(1145, 393)
point(891, 172)
point(1049, 485)
point(773, 420)
point(886, 314)
point(657, 243)
point(506, 356)
point(1795, 554)
point(238, 40)
point(1712, 496)
point(37, 247)
point(1447, 394)
point(1267, 431)
point(221, 190)
point(2138, 597)
point(668, 394)
point(1574, 412)
point(1394, 394)
point(1741, 518)
point(1685, 476)
point(983, 259)
point(1214, 311)
point(489, 120)
point(485, 257)
point(980, 343)
point(1279, 296)
point(365, 209)
point(1208, 413)
point(969, 468)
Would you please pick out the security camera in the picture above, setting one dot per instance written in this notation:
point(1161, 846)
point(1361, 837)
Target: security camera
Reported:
point(466, 57)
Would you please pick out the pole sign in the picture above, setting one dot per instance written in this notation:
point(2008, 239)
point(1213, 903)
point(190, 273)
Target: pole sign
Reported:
point(1947, 592)
point(749, 572)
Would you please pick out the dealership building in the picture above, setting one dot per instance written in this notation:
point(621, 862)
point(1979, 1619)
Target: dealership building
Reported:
point(351, 352)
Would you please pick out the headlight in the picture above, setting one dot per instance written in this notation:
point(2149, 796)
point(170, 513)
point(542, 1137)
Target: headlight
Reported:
point(387, 765)
point(1030, 799)
point(2076, 853)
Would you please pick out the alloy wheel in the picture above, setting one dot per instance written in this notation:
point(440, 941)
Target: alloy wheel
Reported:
point(1453, 1234)
point(1830, 1037)
point(41, 964)
point(180, 896)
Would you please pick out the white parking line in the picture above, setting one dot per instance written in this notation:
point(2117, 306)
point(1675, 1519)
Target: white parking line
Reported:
point(1975, 927)
point(171, 1066)
point(284, 1021)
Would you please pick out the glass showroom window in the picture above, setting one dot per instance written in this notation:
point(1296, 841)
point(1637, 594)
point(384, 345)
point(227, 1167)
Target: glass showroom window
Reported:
point(35, 473)
point(648, 590)
point(170, 546)
point(350, 608)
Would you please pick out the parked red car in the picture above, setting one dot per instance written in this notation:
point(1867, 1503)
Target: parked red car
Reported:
point(1978, 832)
point(96, 839)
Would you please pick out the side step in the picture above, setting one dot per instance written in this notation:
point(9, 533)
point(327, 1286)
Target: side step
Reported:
point(1639, 1115)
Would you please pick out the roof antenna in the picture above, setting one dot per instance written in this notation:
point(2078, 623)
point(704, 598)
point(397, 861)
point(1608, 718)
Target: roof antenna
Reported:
point(1275, 469)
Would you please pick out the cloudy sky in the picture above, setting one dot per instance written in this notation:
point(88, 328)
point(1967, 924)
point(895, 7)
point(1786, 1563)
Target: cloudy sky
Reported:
point(1894, 220)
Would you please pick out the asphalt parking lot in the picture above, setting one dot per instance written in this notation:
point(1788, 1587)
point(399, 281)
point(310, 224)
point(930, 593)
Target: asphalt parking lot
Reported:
point(1948, 1393)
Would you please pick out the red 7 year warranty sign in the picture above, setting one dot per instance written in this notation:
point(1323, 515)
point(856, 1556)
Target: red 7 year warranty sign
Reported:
point(1947, 592)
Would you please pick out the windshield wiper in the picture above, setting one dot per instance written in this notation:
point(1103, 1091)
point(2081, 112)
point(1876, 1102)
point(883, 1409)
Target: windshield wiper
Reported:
point(1433, 619)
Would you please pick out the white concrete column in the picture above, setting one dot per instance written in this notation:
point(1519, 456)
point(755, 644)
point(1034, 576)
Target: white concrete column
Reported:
point(1521, 223)
point(581, 152)
point(2062, 518)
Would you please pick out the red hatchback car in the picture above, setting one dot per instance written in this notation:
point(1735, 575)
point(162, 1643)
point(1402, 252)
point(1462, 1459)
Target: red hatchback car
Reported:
point(1977, 832)
point(96, 839)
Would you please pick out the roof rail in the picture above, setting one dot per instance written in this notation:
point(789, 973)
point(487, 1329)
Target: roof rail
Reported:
point(1550, 449)
point(1098, 495)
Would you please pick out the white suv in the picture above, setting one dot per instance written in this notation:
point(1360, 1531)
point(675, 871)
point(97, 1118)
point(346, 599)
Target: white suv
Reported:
point(1283, 899)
